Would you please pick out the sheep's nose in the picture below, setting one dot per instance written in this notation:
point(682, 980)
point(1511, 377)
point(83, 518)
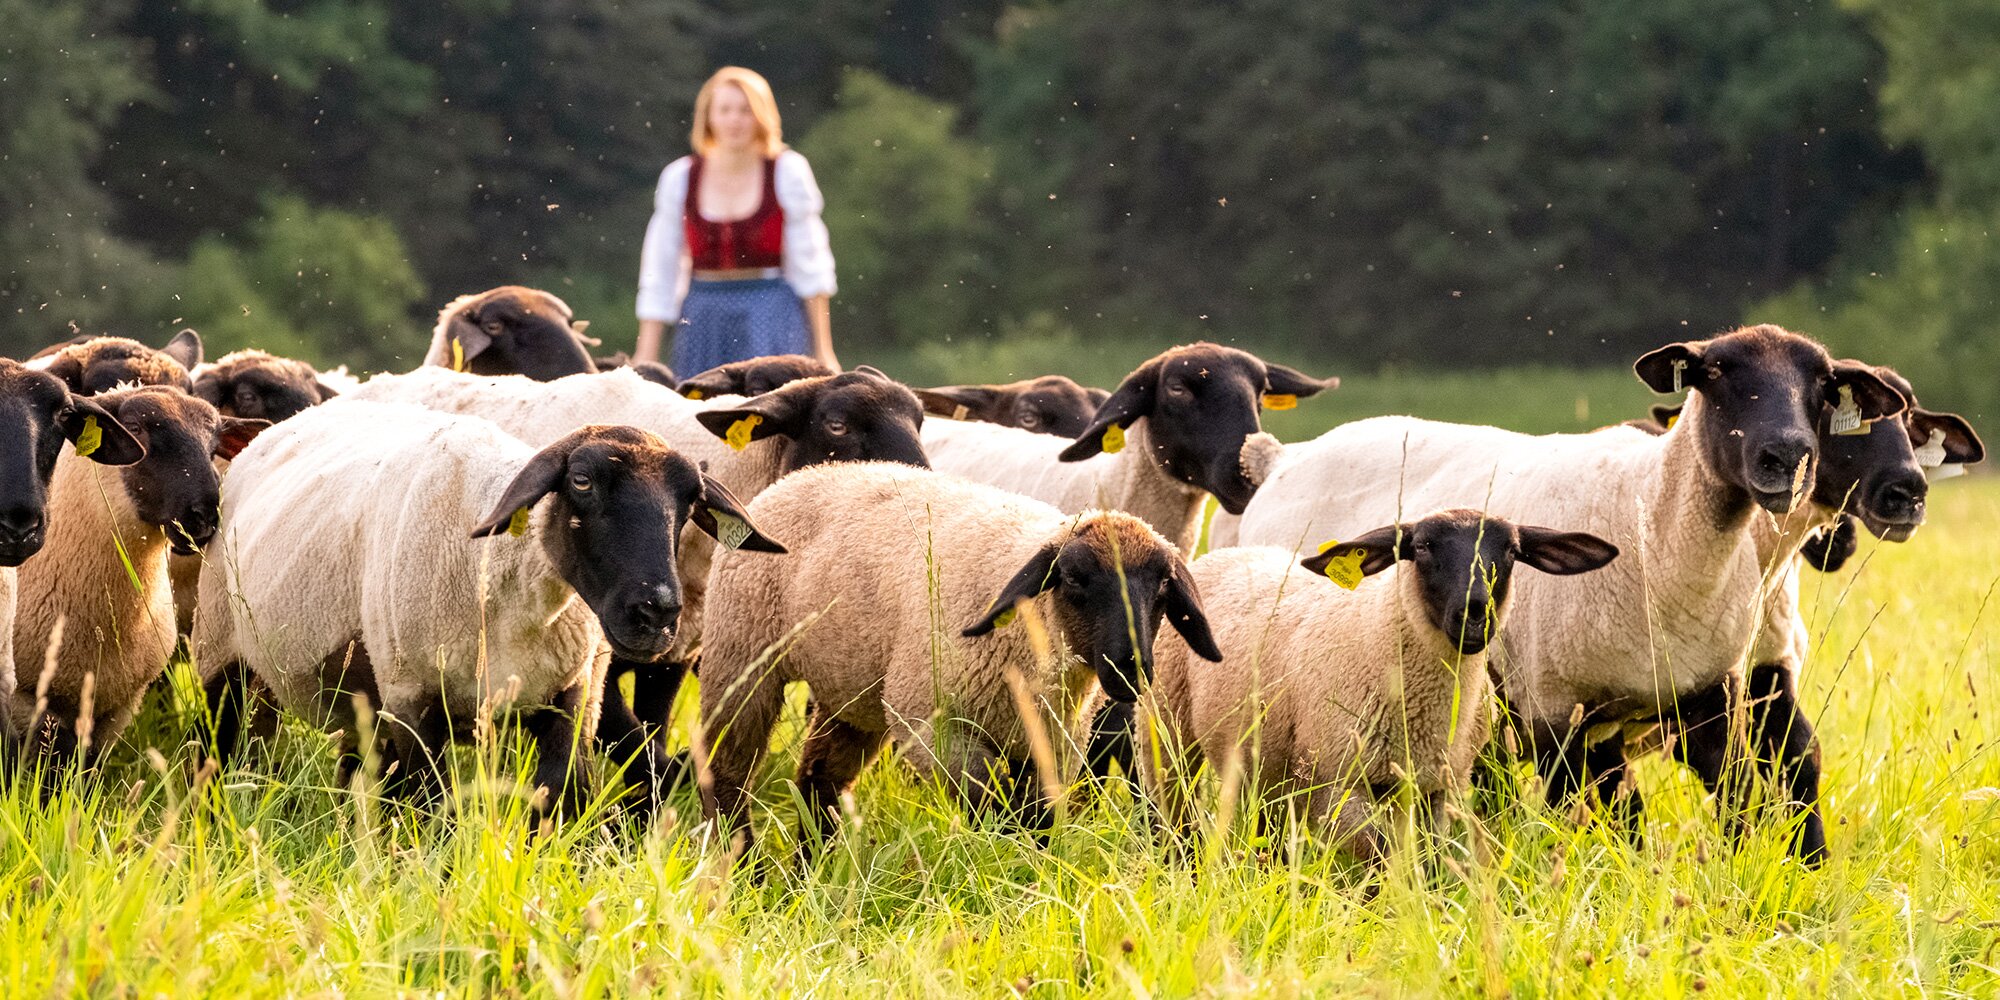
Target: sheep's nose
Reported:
point(659, 610)
point(20, 524)
point(1904, 498)
point(1780, 459)
point(199, 525)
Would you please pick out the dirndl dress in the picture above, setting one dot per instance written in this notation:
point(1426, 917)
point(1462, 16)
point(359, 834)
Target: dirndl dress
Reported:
point(725, 321)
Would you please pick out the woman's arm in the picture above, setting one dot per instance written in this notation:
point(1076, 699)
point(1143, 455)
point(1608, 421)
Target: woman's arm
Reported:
point(808, 250)
point(662, 262)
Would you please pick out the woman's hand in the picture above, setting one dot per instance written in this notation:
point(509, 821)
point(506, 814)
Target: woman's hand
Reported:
point(819, 315)
point(651, 332)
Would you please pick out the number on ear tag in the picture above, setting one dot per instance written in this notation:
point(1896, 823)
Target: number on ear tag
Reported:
point(730, 530)
point(1846, 416)
point(1280, 401)
point(1345, 571)
point(518, 524)
point(739, 432)
point(1114, 439)
point(91, 437)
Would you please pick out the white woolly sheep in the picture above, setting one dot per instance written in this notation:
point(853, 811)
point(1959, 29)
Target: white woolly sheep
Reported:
point(581, 554)
point(98, 606)
point(1676, 615)
point(1337, 694)
point(893, 611)
point(1182, 425)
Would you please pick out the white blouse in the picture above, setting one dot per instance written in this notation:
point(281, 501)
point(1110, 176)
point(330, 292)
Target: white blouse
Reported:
point(663, 259)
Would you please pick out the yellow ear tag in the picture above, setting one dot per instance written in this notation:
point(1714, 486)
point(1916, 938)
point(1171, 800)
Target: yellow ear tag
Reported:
point(1280, 401)
point(1673, 419)
point(694, 394)
point(91, 437)
point(1345, 571)
point(457, 355)
point(518, 525)
point(1114, 439)
point(1846, 419)
point(739, 432)
point(1006, 618)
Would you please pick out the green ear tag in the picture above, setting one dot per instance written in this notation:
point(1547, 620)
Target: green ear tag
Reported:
point(1006, 618)
point(1345, 571)
point(739, 432)
point(1114, 439)
point(91, 437)
point(518, 524)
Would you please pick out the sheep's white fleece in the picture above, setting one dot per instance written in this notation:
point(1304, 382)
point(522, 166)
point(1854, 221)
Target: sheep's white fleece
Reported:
point(540, 413)
point(115, 632)
point(352, 521)
point(7, 678)
point(894, 561)
point(1673, 615)
point(1129, 480)
point(1319, 688)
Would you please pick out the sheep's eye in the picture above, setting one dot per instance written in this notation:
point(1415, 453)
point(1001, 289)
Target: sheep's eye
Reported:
point(1714, 371)
point(836, 428)
point(493, 326)
point(1176, 387)
point(1031, 419)
point(580, 483)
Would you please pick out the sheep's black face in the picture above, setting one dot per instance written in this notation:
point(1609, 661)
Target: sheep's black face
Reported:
point(1463, 564)
point(621, 497)
point(517, 331)
point(1051, 404)
point(1201, 404)
point(1762, 392)
point(1876, 475)
point(752, 376)
point(271, 389)
point(36, 414)
point(175, 486)
point(857, 416)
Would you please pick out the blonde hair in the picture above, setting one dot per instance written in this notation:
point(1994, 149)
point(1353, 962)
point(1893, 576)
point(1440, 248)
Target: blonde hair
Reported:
point(763, 107)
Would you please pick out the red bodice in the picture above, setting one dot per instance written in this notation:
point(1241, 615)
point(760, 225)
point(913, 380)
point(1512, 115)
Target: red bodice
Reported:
point(756, 241)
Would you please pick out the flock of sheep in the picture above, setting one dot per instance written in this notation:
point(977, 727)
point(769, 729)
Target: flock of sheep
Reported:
point(511, 528)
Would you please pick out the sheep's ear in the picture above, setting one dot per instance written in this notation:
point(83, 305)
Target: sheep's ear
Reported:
point(1658, 368)
point(84, 417)
point(1874, 397)
point(1664, 414)
point(577, 328)
point(1284, 381)
point(760, 417)
point(719, 514)
point(960, 402)
point(463, 329)
point(184, 348)
point(1961, 445)
point(210, 388)
point(69, 368)
point(1095, 395)
point(537, 479)
point(1131, 400)
point(1185, 614)
point(325, 391)
point(1038, 575)
point(236, 434)
point(1564, 553)
point(1379, 550)
point(722, 380)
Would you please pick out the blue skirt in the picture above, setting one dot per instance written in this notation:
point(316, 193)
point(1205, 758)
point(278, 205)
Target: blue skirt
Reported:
point(724, 321)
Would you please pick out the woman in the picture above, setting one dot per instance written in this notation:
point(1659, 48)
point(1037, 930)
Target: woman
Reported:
point(736, 255)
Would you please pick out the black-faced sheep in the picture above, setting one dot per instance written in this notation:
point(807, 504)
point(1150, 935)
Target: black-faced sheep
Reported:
point(93, 365)
point(1051, 404)
point(510, 330)
point(752, 376)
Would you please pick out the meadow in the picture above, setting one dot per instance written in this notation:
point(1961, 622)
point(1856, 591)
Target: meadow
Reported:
point(158, 875)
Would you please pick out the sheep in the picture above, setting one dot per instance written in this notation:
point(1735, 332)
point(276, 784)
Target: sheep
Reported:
point(1673, 619)
point(510, 330)
point(752, 377)
point(578, 566)
point(260, 386)
point(893, 610)
point(99, 606)
point(1183, 424)
point(93, 365)
point(1051, 404)
point(1339, 694)
point(37, 413)
point(853, 416)
point(651, 371)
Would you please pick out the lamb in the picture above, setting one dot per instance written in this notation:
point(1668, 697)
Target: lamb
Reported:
point(752, 376)
point(895, 612)
point(37, 413)
point(1180, 426)
point(1051, 404)
point(1338, 694)
point(1672, 620)
point(104, 582)
point(94, 365)
point(510, 330)
point(579, 566)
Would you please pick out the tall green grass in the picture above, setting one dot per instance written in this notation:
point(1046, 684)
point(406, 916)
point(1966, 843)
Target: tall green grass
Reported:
point(157, 877)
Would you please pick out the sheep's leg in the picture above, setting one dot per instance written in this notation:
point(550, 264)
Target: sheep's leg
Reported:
point(638, 749)
point(1705, 743)
point(554, 731)
point(1346, 817)
point(833, 756)
point(654, 688)
point(227, 693)
point(1559, 759)
point(1786, 743)
point(1110, 740)
point(1605, 762)
point(419, 734)
point(1166, 771)
point(737, 714)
